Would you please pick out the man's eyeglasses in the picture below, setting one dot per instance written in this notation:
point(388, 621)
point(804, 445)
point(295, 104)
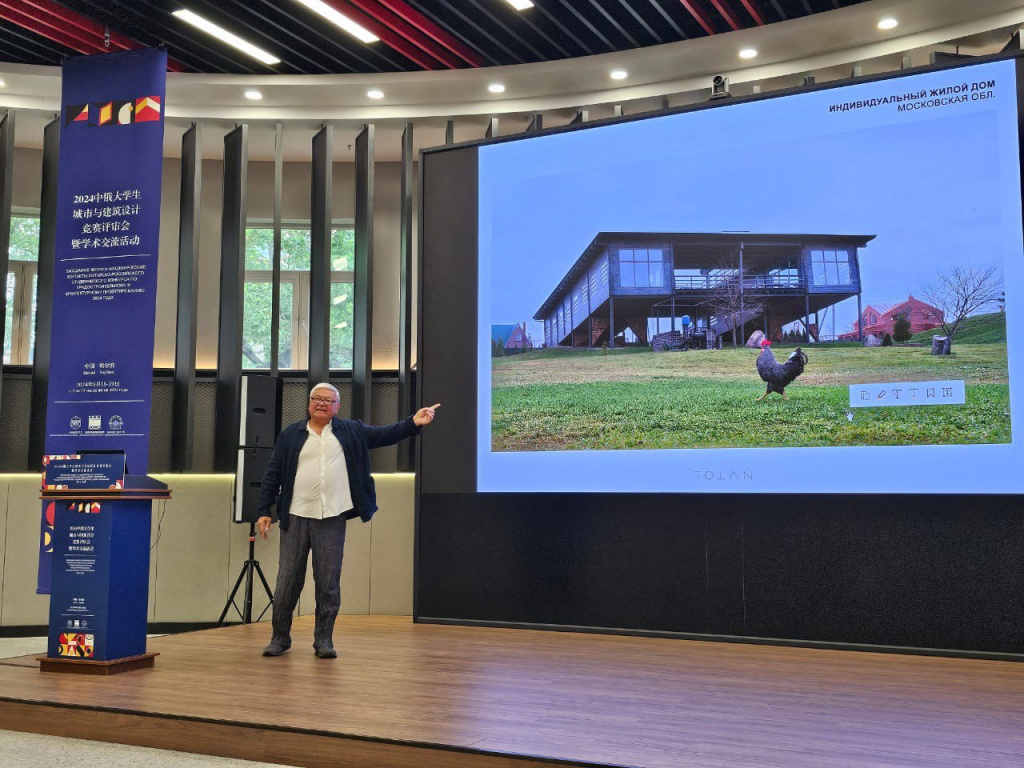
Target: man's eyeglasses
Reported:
point(322, 400)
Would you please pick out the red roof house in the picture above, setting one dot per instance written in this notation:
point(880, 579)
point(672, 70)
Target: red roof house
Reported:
point(922, 317)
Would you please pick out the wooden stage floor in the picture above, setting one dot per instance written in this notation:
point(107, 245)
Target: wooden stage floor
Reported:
point(405, 694)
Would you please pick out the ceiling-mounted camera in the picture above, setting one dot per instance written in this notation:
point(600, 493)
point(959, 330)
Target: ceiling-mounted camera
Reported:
point(720, 87)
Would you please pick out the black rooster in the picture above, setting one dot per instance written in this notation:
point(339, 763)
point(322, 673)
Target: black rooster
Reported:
point(777, 376)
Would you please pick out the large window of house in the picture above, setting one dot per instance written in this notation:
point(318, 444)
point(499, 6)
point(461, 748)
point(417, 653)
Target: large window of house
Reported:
point(831, 267)
point(641, 268)
point(22, 285)
point(293, 340)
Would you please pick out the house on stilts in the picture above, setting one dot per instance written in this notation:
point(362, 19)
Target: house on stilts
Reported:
point(727, 283)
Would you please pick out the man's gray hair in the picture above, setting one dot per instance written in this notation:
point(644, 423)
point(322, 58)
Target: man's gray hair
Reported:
point(325, 385)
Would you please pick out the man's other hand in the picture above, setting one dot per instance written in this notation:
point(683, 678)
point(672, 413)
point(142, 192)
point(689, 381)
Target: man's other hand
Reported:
point(425, 415)
point(263, 525)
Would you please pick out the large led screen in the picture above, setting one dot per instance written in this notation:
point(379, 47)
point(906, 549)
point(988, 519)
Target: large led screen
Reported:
point(756, 296)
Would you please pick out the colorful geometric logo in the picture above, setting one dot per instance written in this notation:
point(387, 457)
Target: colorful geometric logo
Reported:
point(59, 457)
point(76, 645)
point(124, 112)
point(103, 113)
point(147, 109)
point(51, 510)
point(78, 113)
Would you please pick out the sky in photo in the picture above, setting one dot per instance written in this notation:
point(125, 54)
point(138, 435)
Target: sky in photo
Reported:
point(930, 185)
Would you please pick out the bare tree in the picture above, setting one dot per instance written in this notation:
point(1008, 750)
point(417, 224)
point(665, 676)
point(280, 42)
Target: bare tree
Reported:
point(727, 301)
point(960, 292)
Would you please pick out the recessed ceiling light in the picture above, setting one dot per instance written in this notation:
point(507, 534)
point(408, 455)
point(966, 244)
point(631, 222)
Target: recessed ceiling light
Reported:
point(888, 23)
point(748, 53)
point(521, 5)
point(339, 19)
point(2, 83)
point(227, 37)
point(496, 88)
point(619, 74)
point(375, 93)
point(253, 95)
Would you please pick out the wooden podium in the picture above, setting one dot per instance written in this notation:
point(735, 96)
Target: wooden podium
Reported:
point(99, 592)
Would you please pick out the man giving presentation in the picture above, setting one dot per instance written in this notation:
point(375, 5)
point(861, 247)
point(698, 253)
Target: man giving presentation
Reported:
point(319, 476)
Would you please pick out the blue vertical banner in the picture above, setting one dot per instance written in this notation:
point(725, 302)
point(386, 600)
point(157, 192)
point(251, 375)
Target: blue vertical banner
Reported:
point(105, 268)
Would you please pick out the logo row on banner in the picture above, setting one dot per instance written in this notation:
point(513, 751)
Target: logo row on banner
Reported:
point(145, 109)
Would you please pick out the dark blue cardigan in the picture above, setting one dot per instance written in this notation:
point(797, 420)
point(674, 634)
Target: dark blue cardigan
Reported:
point(356, 438)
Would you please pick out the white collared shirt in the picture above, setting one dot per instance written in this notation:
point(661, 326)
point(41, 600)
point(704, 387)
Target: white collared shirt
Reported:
point(321, 477)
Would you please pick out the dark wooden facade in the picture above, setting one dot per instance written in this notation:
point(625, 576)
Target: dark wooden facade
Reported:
point(623, 279)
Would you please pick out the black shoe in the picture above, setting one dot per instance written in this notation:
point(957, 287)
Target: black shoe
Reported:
point(325, 652)
point(277, 647)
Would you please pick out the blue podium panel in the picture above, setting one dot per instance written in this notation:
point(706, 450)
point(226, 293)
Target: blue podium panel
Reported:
point(100, 579)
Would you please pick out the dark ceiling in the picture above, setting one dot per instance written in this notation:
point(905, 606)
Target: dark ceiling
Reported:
point(415, 34)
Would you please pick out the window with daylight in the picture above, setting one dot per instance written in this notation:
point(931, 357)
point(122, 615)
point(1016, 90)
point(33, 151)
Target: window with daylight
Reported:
point(831, 267)
point(294, 299)
point(22, 286)
point(783, 277)
point(641, 268)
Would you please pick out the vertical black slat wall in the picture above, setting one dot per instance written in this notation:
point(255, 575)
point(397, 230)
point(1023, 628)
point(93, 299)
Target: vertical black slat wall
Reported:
point(406, 399)
point(232, 287)
point(362, 351)
point(6, 191)
point(44, 300)
point(320, 256)
point(182, 426)
point(275, 280)
point(448, 240)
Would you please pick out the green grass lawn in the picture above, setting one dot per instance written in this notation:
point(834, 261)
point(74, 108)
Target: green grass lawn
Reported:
point(981, 329)
point(580, 399)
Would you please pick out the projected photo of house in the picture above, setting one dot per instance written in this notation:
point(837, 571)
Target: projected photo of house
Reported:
point(768, 363)
point(722, 284)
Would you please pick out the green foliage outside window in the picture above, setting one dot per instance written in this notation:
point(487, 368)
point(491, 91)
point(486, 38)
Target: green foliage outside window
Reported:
point(295, 266)
point(256, 326)
point(24, 248)
point(9, 318)
point(24, 239)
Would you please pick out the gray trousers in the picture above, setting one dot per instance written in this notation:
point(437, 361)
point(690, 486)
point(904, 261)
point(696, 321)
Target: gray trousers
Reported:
point(326, 539)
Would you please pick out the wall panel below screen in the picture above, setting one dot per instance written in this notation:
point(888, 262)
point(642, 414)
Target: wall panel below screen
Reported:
point(937, 573)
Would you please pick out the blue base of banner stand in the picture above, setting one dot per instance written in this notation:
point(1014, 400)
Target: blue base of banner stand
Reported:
point(99, 597)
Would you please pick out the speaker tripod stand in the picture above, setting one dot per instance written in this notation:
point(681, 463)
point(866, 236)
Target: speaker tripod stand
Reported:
point(249, 567)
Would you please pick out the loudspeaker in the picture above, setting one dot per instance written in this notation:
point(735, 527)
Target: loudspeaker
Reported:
point(260, 421)
point(252, 466)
